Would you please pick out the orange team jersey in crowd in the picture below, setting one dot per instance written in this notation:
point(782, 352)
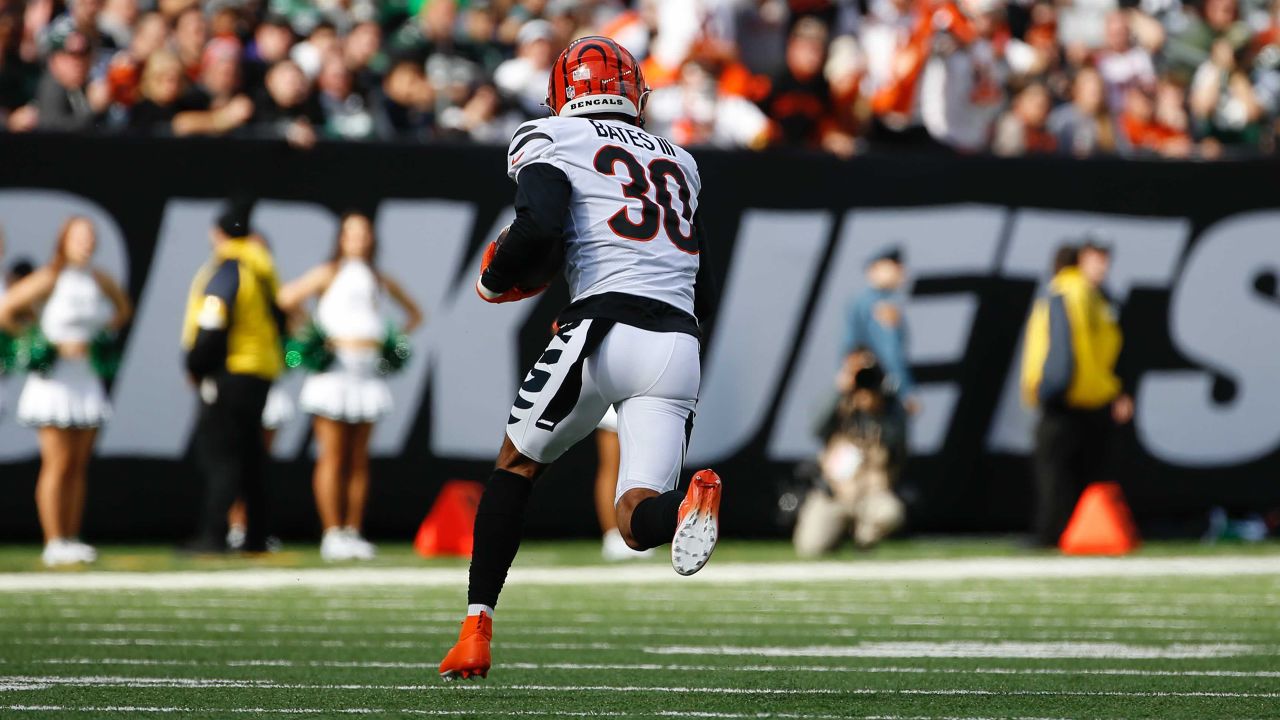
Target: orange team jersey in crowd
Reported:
point(1148, 134)
point(932, 16)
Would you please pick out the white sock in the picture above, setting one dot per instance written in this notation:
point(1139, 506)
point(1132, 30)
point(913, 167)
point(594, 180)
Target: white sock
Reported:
point(477, 609)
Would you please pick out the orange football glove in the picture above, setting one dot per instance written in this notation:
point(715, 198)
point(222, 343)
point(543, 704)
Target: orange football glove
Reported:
point(511, 295)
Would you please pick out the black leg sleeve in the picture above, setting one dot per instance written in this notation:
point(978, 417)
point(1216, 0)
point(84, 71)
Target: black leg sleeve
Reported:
point(499, 525)
point(653, 522)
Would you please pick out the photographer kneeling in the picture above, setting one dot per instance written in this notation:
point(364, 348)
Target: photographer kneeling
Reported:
point(864, 446)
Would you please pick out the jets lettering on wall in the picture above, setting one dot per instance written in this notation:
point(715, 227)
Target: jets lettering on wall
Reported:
point(777, 342)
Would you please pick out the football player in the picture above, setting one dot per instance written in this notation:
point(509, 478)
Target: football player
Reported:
point(622, 204)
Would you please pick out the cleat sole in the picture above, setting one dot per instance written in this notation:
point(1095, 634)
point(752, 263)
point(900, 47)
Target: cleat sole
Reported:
point(694, 542)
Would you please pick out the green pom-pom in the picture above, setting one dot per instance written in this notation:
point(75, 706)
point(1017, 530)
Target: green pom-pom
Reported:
point(8, 353)
point(104, 355)
point(396, 352)
point(35, 354)
point(309, 349)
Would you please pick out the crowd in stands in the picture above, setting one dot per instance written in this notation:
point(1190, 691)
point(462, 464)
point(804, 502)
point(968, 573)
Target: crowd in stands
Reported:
point(1144, 78)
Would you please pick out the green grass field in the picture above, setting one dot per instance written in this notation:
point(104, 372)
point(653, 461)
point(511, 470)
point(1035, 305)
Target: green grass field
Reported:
point(918, 629)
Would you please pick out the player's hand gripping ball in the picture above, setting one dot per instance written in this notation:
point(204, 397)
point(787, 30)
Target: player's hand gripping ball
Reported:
point(536, 278)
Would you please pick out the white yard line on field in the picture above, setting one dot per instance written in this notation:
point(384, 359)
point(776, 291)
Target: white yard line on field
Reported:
point(966, 649)
point(968, 569)
point(656, 667)
point(223, 683)
point(112, 709)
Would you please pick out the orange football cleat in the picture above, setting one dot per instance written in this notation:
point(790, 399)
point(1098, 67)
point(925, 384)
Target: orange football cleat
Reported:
point(469, 658)
point(697, 523)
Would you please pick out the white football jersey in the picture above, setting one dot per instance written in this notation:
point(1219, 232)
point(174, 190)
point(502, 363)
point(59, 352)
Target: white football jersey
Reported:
point(630, 224)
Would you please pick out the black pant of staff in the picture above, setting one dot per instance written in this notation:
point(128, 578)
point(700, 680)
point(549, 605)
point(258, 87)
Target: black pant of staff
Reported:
point(231, 452)
point(1073, 449)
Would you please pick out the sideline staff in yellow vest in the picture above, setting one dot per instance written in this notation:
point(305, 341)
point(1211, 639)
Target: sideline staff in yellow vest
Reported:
point(232, 339)
point(1069, 355)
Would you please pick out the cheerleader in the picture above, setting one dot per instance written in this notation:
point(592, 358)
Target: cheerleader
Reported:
point(350, 396)
point(73, 302)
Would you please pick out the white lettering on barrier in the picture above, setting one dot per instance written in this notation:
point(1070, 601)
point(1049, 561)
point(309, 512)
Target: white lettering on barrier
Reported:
point(1218, 318)
point(1221, 321)
point(761, 312)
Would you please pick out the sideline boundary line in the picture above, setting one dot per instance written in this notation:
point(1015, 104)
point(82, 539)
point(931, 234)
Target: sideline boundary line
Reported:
point(724, 573)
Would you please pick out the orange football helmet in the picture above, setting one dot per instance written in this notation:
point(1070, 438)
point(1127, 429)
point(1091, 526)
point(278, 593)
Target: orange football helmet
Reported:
point(596, 75)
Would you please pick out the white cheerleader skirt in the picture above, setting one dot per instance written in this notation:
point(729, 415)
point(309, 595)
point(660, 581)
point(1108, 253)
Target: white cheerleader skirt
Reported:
point(350, 391)
point(70, 396)
point(278, 410)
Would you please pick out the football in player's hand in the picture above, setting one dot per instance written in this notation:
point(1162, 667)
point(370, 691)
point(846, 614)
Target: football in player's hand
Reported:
point(540, 271)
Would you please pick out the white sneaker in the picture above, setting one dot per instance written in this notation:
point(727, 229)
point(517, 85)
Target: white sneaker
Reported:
point(361, 549)
point(60, 552)
point(615, 549)
point(236, 537)
point(87, 553)
point(335, 546)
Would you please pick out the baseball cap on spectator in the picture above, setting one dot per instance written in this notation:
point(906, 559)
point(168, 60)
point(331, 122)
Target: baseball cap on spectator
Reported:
point(234, 220)
point(535, 30)
point(65, 39)
point(892, 254)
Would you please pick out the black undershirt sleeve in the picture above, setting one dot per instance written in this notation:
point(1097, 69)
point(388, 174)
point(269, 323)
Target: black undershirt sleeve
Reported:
point(543, 192)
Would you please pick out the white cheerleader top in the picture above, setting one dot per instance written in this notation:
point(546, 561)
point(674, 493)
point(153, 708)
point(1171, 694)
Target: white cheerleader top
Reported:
point(349, 308)
point(76, 310)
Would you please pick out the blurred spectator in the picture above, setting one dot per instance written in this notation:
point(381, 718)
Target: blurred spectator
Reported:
point(310, 53)
point(834, 75)
point(117, 20)
point(695, 112)
point(406, 103)
point(124, 72)
point(1071, 345)
point(63, 98)
point(1121, 64)
point(1023, 129)
point(362, 51)
point(219, 88)
point(962, 85)
point(876, 325)
point(1224, 106)
point(1145, 133)
point(1208, 22)
point(484, 117)
point(288, 109)
point(81, 17)
point(347, 114)
point(799, 101)
point(272, 41)
point(864, 446)
point(523, 78)
point(1083, 127)
point(18, 74)
point(190, 33)
point(161, 89)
